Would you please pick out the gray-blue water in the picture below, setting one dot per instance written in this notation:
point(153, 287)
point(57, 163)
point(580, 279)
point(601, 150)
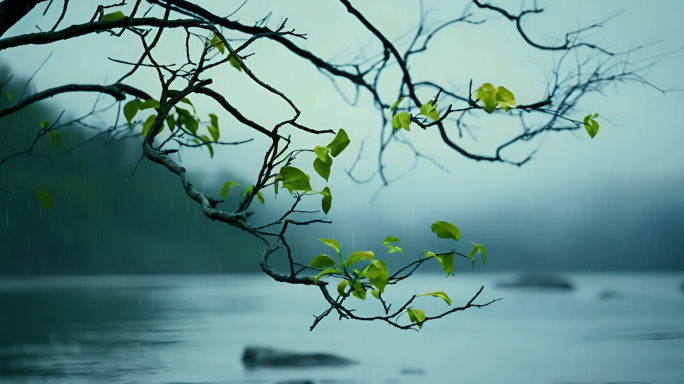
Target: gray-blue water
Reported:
point(193, 329)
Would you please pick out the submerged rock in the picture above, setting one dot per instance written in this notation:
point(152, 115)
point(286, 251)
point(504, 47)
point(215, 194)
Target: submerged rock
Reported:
point(412, 371)
point(537, 280)
point(609, 294)
point(261, 357)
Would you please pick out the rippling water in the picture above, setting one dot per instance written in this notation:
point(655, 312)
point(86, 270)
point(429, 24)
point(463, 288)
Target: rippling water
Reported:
point(193, 329)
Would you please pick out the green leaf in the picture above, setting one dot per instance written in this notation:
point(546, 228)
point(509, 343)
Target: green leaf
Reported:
point(214, 132)
point(187, 101)
point(430, 110)
point(446, 262)
point(332, 244)
point(378, 274)
point(148, 124)
point(396, 103)
point(226, 188)
point(339, 143)
point(45, 123)
point(446, 230)
point(234, 62)
point(376, 293)
point(218, 43)
point(358, 256)
point(487, 94)
point(322, 167)
point(326, 202)
point(341, 288)
point(505, 99)
point(390, 239)
point(214, 120)
point(149, 103)
point(114, 16)
point(186, 119)
point(322, 261)
point(394, 248)
point(359, 291)
point(249, 190)
point(55, 139)
point(170, 122)
point(206, 140)
point(591, 125)
point(325, 272)
point(275, 184)
point(478, 248)
point(416, 316)
point(401, 121)
point(294, 179)
point(9, 97)
point(323, 153)
point(45, 199)
point(439, 294)
point(131, 109)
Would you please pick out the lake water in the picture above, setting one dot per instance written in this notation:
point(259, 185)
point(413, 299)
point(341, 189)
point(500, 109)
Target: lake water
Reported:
point(193, 329)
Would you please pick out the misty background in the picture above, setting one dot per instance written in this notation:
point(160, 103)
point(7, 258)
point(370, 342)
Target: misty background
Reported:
point(614, 203)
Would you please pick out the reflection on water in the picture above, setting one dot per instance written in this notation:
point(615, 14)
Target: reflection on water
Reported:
point(193, 329)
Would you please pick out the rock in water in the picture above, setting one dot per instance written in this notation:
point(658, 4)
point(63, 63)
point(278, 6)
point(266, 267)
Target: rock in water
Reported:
point(260, 357)
point(533, 280)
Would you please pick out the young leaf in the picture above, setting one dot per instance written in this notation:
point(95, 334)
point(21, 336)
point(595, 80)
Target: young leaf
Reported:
point(378, 274)
point(416, 316)
point(45, 123)
point(322, 153)
point(148, 124)
point(323, 167)
point(114, 16)
point(478, 248)
point(396, 103)
point(487, 94)
point(358, 256)
point(591, 125)
point(206, 140)
point(55, 139)
point(9, 97)
point(275, 184)
point(339, 143)
point(505, 99)
point(45, 199)
point(171, 122)
point(149, 103)
point(214, 120)
point(294, 179)
point(214, 132)
point(446, 262)
point(402, 121)
point(325, 272)
point(260, 197)
point(218, 43)
point(234, 62)
point(390, 239)
point(187, 101)
point(326, 201)
point(430, 110)
point(332, 244)
point(394, 248)
point(439, 294)
point(376, 293)
point(446, 230)
point(322, 261)
point(226, 188)
point(359, 291)
point(341, 287)
point(131, 109)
